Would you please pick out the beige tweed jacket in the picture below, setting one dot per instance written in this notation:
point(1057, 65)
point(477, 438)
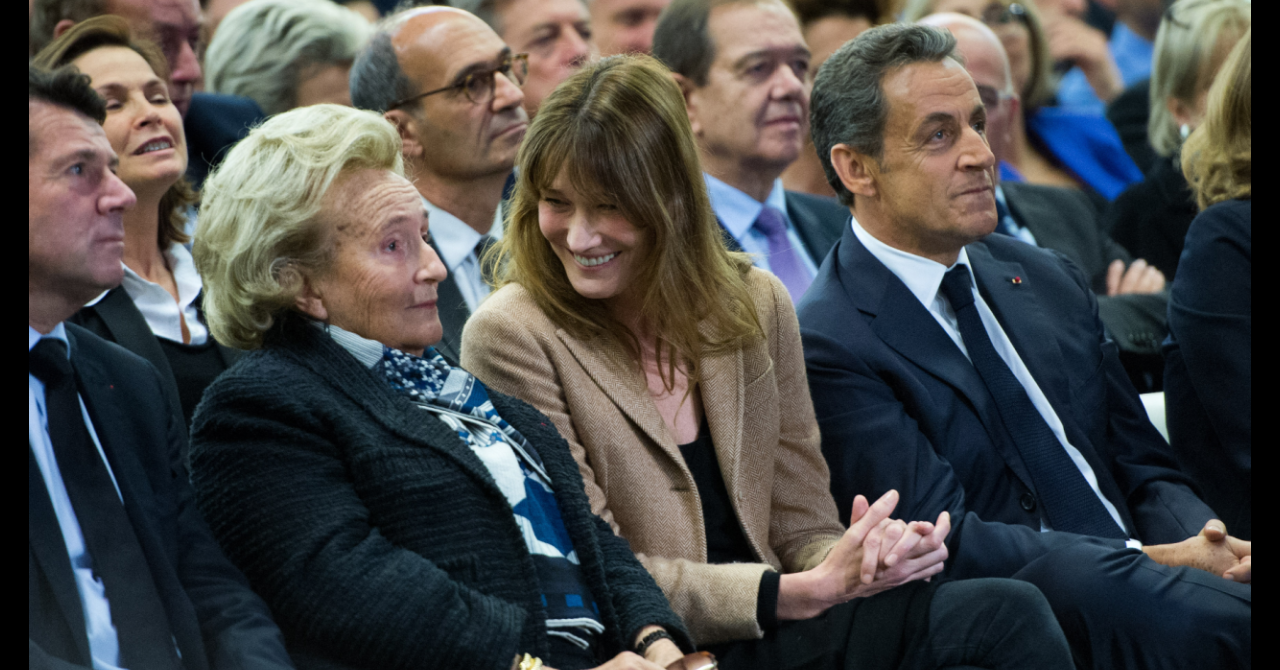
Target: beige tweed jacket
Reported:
point(757, 406)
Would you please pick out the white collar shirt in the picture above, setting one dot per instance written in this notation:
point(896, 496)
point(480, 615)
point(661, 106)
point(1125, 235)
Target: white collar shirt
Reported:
point(923, 277)
point(164, 315)
point(457, 244)
point(738, 212)
point(104, 644)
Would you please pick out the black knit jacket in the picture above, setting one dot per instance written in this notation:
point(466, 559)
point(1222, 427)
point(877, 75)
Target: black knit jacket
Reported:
point(375, 534)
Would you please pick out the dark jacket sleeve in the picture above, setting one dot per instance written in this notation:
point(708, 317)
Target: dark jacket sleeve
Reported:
point(1209, 373)
point(271, 480)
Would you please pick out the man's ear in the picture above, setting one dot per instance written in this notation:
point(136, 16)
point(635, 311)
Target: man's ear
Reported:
point(308, 301)
point(407, 128)
point(857, 172)
point(688, 90)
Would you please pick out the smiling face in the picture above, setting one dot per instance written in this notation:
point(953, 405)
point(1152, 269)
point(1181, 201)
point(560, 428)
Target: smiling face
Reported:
point(142, 124)
point(75, 206)
point(601, 250)
point(752, 115)
point(932, 191)
point(460, 140)
point(555, 33)
point(382, 282)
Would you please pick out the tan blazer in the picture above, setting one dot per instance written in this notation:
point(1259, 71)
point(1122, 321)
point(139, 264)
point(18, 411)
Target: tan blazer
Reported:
point(757, 405)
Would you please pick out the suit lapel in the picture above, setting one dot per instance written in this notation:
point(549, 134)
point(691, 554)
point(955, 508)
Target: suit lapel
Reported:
point(44, 537)
point(624, 386)
point(130, 330)
point(453, 315)
point(902, 323)
point(1020, 311)
point(722, 400)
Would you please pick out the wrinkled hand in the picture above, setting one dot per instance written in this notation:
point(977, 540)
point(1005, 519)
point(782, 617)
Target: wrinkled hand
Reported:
point(1215, 531)
point(1075, 41)
point(1138, 279)
point(1212, 551)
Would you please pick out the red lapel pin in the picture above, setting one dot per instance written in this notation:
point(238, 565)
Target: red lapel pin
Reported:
point(1016, 281)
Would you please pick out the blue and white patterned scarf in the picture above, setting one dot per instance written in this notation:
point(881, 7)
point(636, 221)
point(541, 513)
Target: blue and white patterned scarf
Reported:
point(461, 401)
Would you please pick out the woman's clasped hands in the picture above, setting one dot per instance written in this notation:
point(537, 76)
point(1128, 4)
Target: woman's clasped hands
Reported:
point(875, 554)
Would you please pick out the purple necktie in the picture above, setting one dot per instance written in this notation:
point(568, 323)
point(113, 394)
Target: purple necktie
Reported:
point(783, 259)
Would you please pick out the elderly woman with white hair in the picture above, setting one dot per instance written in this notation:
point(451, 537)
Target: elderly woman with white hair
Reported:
point(1152, 217)
point(286, 53)
point(392, 510)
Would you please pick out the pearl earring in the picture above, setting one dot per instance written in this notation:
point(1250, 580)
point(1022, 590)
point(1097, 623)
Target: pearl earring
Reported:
point(1185, 130)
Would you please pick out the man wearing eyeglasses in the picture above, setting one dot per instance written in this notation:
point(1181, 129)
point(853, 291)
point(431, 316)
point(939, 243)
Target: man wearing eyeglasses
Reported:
point(555, 33)
point(452, 88)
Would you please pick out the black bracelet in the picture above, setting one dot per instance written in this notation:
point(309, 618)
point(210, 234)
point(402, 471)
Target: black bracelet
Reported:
point(644, 644)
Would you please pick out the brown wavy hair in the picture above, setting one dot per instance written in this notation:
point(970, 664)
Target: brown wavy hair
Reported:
point(112, 31)
point(1217, 157)
point(620, 132)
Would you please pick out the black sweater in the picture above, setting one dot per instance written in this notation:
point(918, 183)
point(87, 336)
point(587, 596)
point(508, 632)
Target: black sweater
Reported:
point(377, 537)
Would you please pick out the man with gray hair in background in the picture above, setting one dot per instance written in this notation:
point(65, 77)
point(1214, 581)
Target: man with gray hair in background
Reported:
point(971, 373)
point(555, 33)
point(451, 87)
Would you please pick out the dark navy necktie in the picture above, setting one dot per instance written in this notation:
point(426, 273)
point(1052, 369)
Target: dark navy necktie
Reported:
point(1069, 502)
point(142, 625)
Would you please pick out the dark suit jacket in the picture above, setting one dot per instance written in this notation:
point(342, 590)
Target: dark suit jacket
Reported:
point(1151, 218)
point(453, 313)
point(900, 406)
point(116, 319)
point(213, 123)
point(1066, 221)
point(818, 221)
point(1209, 356)
point(217, 620)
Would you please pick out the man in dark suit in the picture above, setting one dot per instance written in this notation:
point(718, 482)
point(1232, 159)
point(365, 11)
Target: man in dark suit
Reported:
point(744, 69)
point(460, 142)
point(973, 375)
point(212, 122)
point(1131, 294)
point(121, 570)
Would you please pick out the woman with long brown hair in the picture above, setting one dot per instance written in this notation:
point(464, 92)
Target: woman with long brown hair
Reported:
point(674, 370)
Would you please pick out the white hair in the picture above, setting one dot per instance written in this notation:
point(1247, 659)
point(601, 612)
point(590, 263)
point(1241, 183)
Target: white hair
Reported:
point(262, 48)
point(260, 227)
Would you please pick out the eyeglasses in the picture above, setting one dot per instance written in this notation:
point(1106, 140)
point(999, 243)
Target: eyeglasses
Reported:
point(997, 14)
point(479, 86)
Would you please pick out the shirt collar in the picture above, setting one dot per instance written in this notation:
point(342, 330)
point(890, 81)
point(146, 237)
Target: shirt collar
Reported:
point(738, 211)
point(922, 276)
point(454, 238)
point(367, 351)
point(184, 272)
point(59, 332)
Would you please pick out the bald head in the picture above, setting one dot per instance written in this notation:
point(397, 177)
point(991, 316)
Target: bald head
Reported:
point(429, 42)
point(987, 63)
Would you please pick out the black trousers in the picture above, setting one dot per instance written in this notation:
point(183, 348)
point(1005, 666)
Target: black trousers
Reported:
point(1120, 609)
point(977, 623)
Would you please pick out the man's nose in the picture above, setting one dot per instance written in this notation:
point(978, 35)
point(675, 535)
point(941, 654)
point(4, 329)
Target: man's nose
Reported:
point(976, 152)
point(117, 196)
point(185, 66)
point(506, 92)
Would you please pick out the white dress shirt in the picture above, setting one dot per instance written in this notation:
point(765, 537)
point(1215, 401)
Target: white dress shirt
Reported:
point(923, 278)
point(457, 244)
point(163, 315)
point(104, 644)
point(738, 212)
